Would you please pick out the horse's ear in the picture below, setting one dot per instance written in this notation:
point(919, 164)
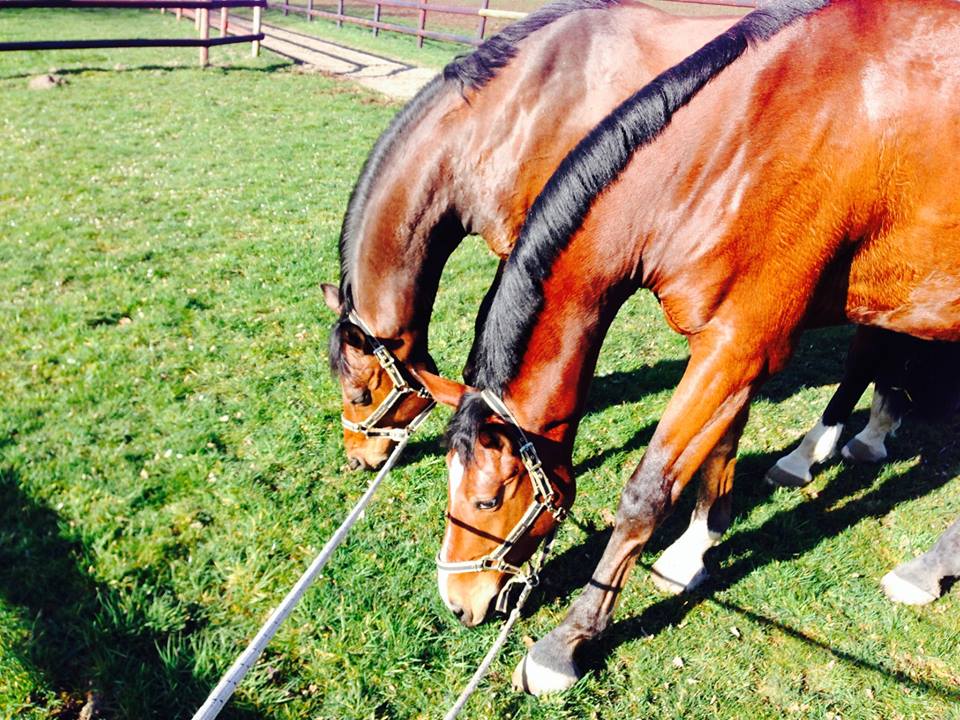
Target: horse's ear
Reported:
point(331, 296)
point(443, 390)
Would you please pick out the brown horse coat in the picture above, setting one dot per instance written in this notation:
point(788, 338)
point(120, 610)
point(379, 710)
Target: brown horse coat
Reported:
point(810, 182)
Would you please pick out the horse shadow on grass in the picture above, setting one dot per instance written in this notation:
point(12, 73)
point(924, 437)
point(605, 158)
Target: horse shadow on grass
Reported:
point(86, 69)
point(81, 637)
point(781, 538)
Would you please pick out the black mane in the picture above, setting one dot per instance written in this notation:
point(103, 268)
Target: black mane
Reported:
point(473, 71)
point(479, 67)
point(590, 167)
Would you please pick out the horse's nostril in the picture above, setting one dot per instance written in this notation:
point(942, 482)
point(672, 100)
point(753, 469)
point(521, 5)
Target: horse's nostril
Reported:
point(463, 616)
point(354, 463)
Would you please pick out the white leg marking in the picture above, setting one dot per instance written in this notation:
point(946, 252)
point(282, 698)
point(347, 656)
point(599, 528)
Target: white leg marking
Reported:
point(680, 567)
point(817, 446)
point(901, 591)
point(871, 438)
point(456, 477)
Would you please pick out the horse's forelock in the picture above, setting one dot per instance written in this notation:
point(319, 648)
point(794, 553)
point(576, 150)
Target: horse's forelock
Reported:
point(463, 431)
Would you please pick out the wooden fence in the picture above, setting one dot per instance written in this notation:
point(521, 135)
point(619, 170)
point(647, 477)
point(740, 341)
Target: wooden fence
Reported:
point(482, 13)
point(204, 42)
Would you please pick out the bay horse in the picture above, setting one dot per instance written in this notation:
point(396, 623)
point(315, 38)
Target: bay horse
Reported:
point(794, 172)
point(468, 155)
point(909, 375)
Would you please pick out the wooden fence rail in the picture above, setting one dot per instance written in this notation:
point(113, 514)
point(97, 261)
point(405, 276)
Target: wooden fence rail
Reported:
point(424, 6)
point(202, 19)
point(204, 42)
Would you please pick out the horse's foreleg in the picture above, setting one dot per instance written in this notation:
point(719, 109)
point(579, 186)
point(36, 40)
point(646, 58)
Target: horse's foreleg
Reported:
point(708, 403)
point(918, 582)
point(820, 443)
point(680, 568)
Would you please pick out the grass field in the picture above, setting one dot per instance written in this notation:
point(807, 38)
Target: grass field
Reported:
point(170, 448)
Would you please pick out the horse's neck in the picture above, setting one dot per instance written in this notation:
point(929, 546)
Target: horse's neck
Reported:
point(408, 230)
point(549, 392)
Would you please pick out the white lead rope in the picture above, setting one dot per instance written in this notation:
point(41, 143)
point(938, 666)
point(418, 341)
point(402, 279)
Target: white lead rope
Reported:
point(529, 583)
point(488, 659)
point(241, 666)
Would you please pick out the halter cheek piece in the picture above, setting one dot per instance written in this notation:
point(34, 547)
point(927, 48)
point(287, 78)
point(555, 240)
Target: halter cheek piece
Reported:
point(368, 426)
point(545, 499)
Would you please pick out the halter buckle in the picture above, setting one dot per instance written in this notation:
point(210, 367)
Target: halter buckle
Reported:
point(530, 458)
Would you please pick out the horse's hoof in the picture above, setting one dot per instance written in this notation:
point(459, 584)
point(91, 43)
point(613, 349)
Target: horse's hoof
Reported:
point(779, 477)
point(673, 583)
point(857, 451)
point(903, 591)
point(544, 671)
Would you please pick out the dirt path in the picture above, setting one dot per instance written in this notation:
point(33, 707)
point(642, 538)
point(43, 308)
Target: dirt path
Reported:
point(391, 77)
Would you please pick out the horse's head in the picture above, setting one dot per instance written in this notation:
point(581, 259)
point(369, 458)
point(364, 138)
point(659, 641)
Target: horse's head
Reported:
point(501, 504)
point(378, 396)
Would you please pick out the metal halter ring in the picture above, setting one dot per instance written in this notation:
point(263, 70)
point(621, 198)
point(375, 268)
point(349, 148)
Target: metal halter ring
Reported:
point(368, 426)
point(545, 499)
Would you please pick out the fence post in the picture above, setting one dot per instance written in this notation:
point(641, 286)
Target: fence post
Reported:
point(179, 14)
point(339, 13)
point(196, 19)
point(482, 25)
point(309, 10)
point(286, 7)
point(376, 19)
point(204, 15)
point(257, 17)
point(224, 21)
point(421, 24)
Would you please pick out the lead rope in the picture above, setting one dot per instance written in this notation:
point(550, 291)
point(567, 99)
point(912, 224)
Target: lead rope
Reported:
point(241, 666)
point(529, 583)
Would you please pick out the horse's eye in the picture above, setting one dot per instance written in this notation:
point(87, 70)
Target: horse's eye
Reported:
point(363, 398)
point(491, 504)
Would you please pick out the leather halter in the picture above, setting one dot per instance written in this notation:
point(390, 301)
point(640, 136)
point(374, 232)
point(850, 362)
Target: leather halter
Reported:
point(391, 366)
point(545, 499)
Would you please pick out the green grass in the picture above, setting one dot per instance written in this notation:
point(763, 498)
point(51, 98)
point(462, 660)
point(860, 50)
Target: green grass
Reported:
point(170, 452)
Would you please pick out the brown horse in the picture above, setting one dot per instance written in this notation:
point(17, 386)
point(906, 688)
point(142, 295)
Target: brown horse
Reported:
point(796, 171)
point(468, 155)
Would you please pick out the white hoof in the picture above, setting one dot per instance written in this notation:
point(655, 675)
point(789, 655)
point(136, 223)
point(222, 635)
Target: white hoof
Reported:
point(857, 451)
point(902, 591)
point(668, 580)
point(536, 679)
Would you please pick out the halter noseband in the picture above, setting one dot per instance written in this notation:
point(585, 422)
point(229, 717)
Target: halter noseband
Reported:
point(368, 426)
point(545, 499)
